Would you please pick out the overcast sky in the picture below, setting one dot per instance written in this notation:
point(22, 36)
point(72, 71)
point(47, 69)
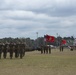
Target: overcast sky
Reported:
point(23, 18)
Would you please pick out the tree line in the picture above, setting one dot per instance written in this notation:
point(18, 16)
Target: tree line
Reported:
point(31, 43)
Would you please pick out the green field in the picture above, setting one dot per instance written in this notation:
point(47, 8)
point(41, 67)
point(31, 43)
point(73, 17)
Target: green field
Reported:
point(34, 63)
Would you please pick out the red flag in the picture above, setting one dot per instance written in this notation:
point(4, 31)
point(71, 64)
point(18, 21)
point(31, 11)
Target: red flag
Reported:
point(63, 41)
point(49, 38)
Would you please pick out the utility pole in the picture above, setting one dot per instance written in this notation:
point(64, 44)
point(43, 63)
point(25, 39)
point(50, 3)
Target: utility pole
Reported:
point(57, 39)
point(37, 34)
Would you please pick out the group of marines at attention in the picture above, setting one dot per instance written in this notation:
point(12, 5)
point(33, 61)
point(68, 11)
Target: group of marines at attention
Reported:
point(46, 49)
point(19, 49)
point(12, 48)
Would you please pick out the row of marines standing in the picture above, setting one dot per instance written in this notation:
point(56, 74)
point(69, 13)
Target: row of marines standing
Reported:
point(17, 48)
point(46, 49)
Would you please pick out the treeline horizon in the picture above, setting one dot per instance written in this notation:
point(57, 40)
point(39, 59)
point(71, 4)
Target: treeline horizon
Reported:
point(37, 42)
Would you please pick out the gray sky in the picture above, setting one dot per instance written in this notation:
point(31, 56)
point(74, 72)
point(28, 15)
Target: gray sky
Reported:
point(23, 18)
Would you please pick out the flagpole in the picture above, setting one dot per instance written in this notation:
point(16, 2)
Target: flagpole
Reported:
point(57, 38)
point(37, 34)
point(44, 40)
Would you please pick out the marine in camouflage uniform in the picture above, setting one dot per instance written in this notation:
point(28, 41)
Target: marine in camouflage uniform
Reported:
point(21, 50)
point(11, 50)
point(1, 48)
point(16, 50)
point(42, 49)
point(61, 48)
point(45, 49)
point(5, 50)
point(49, 49)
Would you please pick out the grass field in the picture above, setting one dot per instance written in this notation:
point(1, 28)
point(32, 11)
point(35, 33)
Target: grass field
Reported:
point(34, 63)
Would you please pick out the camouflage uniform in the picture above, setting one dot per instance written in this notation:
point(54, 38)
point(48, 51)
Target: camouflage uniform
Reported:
point(11, 46)
point(49, 49)
point(1, 50)
point(61, 48)
point(21, 50)
point(41, 49)
point(5, 50)
point(45, 49)
point(16, 51)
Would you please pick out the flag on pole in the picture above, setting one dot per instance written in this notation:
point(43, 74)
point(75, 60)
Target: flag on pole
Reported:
point(63, 41)
point(49, 38)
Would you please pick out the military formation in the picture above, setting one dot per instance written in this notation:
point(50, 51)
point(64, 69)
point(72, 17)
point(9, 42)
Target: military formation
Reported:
point(14, 49)
point(46, 49)
point(18, 50)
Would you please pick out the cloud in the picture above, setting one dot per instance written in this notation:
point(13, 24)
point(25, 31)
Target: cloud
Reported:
point(25, 18)
point(54, 8)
